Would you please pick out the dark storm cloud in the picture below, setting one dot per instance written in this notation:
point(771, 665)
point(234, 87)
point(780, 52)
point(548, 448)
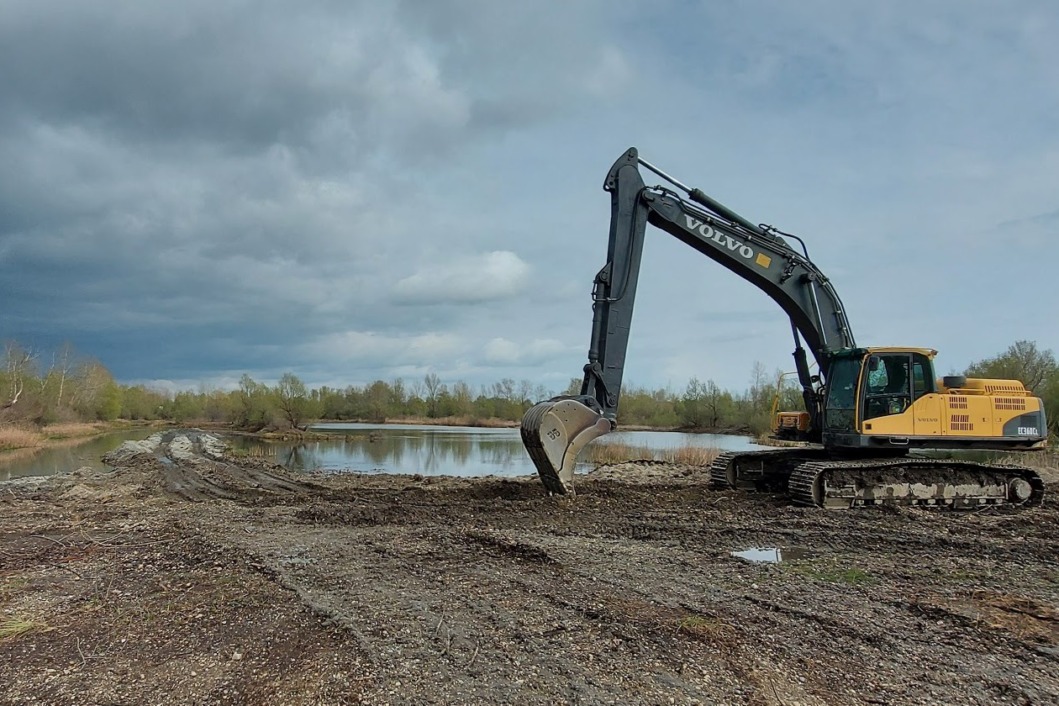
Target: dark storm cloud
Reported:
point(395, 187)
point(189, 182)
point(239, 75)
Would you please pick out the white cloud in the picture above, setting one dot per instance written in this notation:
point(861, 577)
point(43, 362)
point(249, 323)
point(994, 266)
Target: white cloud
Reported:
point(469, 280)
point(371, 349)
point(501, 351)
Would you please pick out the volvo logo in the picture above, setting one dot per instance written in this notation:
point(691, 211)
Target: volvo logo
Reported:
point(722, 239)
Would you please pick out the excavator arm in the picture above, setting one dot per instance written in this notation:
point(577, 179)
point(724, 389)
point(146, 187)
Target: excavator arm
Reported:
point(555, 431)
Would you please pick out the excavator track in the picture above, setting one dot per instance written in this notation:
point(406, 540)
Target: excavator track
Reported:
point(813, 478)
point(909, 481)
point(758, 469)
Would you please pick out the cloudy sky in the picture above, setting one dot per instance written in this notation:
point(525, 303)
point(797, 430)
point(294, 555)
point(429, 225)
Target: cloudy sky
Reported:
point(356, 190)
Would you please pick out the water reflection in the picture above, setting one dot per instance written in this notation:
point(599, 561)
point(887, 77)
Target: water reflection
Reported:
point(368, 448)
point(22, 463)
point(773, 555)
point(440, 450)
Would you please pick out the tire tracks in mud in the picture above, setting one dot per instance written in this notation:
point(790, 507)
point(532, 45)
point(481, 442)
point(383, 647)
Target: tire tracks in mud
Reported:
point(486, 591)
point(191, 465)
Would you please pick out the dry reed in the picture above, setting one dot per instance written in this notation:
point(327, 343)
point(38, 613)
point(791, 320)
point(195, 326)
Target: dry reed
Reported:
point(617, 453)
point(624, 453)
point(19, 438)
point(464, 420)
point(69, 430)
point(691, 455)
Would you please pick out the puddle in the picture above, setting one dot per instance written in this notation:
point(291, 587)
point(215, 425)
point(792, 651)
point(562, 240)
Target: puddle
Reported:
point(773, 555)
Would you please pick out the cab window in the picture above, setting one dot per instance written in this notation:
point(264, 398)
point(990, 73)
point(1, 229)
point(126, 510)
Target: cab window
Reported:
point(889, 385)
point(922, 376)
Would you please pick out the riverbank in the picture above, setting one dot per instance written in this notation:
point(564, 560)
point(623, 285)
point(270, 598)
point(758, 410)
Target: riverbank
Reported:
point(176, 578)
point(15, 437)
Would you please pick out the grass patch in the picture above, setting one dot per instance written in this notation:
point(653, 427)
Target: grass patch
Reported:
point(17, 627)
point(963, 576)
point(29, 437)
point(850, 576)
point(704, 627)
point(19, 438)
point(1045, 462)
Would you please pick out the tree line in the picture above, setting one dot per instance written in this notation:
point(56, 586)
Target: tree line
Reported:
point(65, 387)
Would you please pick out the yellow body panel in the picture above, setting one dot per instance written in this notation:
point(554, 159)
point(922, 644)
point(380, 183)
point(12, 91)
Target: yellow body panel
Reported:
point(952, 415)
point(979, 386)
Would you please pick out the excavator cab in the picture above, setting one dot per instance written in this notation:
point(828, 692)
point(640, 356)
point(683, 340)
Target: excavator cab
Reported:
point(889, 397)
point(865, 384)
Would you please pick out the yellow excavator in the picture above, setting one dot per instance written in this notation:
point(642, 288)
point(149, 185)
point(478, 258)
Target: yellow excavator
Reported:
point(866, 409)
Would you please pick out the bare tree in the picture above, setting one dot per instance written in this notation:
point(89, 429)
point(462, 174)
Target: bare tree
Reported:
point(18, 362)
point(525, 390)
point(415, 391)
point(62, 364)
point(505, 390)
point(432, 384)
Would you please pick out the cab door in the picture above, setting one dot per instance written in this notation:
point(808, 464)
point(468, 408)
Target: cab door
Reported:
point(926, 402)
point(840, 408)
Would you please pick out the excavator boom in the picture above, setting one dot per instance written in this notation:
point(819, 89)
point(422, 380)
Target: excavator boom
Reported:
point(556, 430)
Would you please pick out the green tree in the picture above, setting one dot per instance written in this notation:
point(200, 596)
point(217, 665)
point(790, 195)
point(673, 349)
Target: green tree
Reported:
point(93, 395)
point(377, 399)
point(293, 401)
point(704, 405)
point(253, 408)
point(1036, 369)
point(1022, 361)
point(461, 402)
point(137, 402)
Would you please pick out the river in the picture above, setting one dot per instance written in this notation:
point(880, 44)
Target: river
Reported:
point(372, 448)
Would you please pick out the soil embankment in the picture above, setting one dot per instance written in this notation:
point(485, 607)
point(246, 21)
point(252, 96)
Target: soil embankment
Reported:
point(185, 576)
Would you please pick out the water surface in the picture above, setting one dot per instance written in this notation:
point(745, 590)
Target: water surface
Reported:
point(72, 455)
point(371, 448)
point(772, 555)
point(445, 450)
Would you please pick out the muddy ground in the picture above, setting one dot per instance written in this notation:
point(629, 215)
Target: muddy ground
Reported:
point(186, 577)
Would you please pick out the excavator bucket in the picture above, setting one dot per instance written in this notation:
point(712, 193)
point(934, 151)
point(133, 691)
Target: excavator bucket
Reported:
point(554, 432)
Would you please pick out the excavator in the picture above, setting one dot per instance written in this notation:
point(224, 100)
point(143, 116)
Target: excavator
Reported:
point(867, 411)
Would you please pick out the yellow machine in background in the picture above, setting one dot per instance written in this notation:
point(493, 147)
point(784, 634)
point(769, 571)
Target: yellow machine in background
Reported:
point(787, 426)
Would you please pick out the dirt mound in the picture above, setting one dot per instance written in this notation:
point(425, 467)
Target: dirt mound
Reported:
point(177, 446)
point(640, 472)
point(187, 465)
